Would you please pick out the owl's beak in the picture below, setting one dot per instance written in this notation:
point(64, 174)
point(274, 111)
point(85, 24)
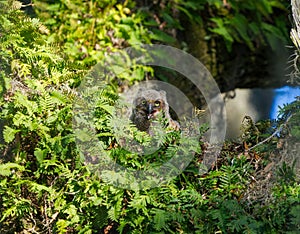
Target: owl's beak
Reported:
point(150, 110)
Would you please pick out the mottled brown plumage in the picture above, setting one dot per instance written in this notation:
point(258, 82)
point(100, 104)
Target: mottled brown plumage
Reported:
point(148, 105)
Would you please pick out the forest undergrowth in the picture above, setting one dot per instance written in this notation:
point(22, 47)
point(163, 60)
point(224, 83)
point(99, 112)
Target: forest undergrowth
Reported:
point(46, 185)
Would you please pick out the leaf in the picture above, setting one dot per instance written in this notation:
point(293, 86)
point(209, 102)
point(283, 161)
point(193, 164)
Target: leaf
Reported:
point(193, 5)
point(254, 28)
point(5, 169)
point(22, 101)
point(9, 134)
point(264, 7)
point(161, 36)
point(160, 219)
point(58, 97)
point(222, 31)
point(186, 11)
point(39, 187)
point(51, 119)
point(46, 101)
point(240, 24)
point(40, 154)
point(277, 4)
point(20, 118)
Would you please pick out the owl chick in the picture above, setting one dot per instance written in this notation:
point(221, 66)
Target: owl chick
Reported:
point(148, 105)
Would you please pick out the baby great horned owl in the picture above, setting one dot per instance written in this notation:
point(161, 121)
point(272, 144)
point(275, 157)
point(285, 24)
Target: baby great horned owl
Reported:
point(148, 105)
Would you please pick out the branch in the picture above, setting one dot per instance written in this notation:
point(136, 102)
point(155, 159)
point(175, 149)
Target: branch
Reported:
point(274, 133)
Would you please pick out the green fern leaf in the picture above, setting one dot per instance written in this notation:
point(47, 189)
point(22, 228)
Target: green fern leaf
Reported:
point(9, 134)
point(46, 102)
point(160, 219)
point(5, 169)
point(22, 101)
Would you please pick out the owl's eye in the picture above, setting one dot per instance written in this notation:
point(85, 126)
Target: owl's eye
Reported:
point(144, 102)
point(157, 103)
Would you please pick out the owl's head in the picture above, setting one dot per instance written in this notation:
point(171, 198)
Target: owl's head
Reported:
point(151, 103)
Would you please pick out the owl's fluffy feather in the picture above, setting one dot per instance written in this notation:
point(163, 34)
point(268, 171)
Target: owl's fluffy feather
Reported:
point(147, 106)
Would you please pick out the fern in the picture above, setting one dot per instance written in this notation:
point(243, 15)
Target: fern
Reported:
point(9, 134)
point(15, 5)
point(23, 102)
point(46, 102)
point(49, 188)
point(160, 219)
point(6, 169)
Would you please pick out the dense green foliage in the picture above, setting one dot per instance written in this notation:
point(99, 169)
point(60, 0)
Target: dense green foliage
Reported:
point(46, 186)
point(251, 22)
point(89, 29)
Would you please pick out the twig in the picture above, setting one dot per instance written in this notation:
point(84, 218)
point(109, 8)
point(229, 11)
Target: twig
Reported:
point(274, 133)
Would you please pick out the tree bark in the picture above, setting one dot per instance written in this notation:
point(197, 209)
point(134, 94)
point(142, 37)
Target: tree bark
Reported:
point(240, 68)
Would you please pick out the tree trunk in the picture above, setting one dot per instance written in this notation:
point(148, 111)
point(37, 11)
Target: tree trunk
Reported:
point(240, 68)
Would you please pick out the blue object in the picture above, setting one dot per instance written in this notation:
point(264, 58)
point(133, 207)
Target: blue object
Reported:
point(282, 96)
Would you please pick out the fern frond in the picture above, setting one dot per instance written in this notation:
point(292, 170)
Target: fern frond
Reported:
point(22, 101)
point(59, 97)
point(35, 23)
point(46, 102)
point(160, 219)
point(9, 134)
point(15, 5)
